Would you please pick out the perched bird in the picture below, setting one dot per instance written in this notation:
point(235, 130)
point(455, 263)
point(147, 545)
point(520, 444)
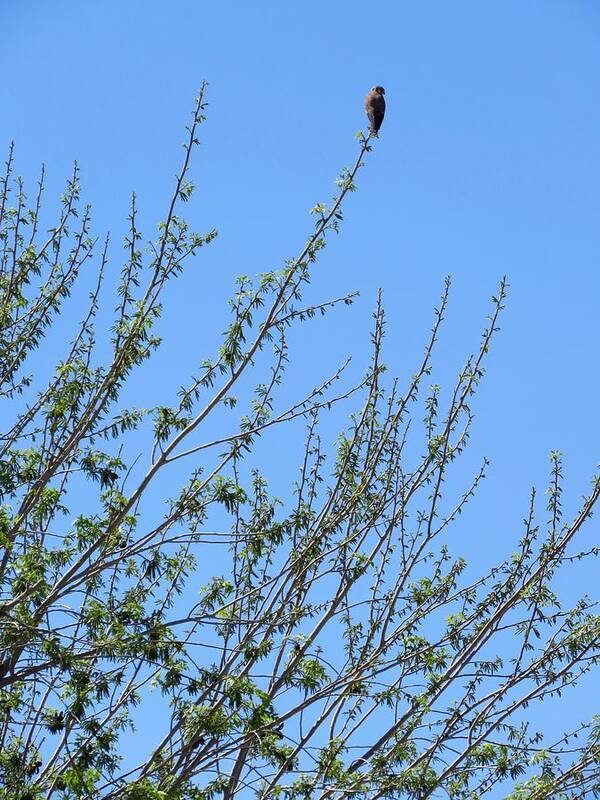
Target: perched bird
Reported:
point(375, 107)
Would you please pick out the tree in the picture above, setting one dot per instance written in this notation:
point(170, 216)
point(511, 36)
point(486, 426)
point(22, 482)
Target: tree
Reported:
point(338, 651)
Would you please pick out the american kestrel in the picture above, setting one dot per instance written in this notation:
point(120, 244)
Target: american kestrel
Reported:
point(375, 107)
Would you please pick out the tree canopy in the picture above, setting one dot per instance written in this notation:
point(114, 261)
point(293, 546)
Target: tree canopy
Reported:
point(340, 649)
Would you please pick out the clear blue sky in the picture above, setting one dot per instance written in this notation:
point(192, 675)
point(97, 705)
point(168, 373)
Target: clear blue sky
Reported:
point(488, 164)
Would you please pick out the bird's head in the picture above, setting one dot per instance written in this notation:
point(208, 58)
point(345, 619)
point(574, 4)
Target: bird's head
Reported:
point(378, 89)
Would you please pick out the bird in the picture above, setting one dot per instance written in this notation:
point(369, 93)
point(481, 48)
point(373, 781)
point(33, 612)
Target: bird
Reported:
point(375, 107)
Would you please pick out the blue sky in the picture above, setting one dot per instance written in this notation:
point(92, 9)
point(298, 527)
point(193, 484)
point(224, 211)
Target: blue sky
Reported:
point(488, 164)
